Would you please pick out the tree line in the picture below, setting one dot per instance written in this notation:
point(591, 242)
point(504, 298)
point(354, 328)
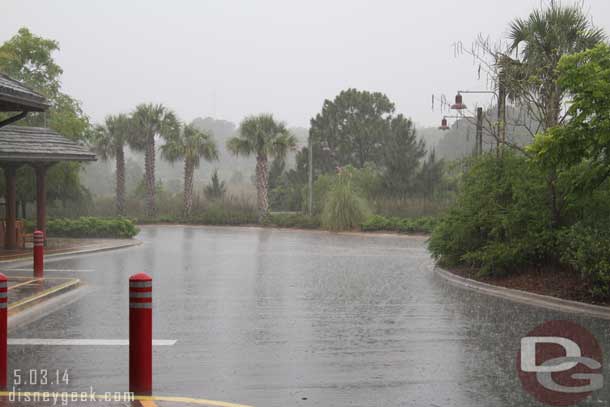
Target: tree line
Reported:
point(261, 136)
point(357, 128)
point(360, 130)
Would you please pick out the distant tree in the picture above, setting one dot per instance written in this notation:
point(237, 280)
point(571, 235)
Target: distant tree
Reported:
point(109, 142)
point(278, 167)
point(264, 137)
point(288, 188)
point(353, 126)
point(134, 174)
point(215, 189)
point(189, 145)
point(221, 129)
point(430, 175)
point(149, 122)
point(402, 153)
point(237, 177)
point(140, 191)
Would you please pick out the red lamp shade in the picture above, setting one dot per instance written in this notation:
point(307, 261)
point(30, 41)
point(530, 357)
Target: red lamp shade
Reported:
point(459, 104)
point(444, 125)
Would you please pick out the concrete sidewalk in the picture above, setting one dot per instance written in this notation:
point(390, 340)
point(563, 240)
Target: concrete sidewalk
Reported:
point(24, 292)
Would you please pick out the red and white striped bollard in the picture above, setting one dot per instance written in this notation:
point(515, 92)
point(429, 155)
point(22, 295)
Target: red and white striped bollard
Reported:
point(38, 254)
point(140, 334)
point(3, 331)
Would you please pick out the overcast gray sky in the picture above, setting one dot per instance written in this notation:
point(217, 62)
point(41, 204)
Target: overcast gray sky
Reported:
point(229, 58)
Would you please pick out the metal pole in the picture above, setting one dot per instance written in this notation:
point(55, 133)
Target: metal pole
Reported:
point(310, 184)
point(501, 113)
point(479, 148)
point(41, 198)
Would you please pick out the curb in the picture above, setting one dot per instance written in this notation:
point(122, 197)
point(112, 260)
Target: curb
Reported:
point(25, 303)
point(98, 249)
point(77, 251)
point(524, 297)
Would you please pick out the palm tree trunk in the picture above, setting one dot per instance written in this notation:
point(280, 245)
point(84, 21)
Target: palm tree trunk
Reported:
point(262, 185)
point(189, 168)
point(149, 167)
point(120, 181)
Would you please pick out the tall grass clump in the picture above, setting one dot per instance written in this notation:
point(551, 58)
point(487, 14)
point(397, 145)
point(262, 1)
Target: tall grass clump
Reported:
point(344, 208)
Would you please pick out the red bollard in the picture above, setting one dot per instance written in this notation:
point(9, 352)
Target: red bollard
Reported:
point(140, 334)
point(3, 331)
point(38, 254)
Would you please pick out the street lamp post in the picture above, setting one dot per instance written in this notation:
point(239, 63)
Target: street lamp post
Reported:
point(479, 131)
point(479, 138)
point(325, 147)
point(501, 95)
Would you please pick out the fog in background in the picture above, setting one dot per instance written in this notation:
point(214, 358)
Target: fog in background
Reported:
point(227, 59)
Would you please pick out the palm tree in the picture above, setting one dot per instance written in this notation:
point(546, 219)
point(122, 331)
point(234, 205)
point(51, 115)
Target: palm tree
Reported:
point(263, 136)
point(149, 122)
point(109, 142)
point(190, 145)
point(531, 77)
point(539, 42)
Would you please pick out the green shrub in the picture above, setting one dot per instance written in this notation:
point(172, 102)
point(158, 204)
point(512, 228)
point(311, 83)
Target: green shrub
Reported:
point(501, 221)
point(344, 209)
point(219, 215)
point(90, 227)
point(587, 250)
point(400, 225)
point(376, 223)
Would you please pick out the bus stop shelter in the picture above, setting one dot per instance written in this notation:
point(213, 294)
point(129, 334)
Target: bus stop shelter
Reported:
point(35, 146)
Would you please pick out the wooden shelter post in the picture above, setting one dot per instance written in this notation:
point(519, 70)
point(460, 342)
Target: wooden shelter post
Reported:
point(10, 239)
point(41, 197)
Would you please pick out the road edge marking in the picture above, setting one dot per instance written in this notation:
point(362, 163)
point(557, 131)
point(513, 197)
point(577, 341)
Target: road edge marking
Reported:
point(50, 291)
point(141, 399)
point(21, 284)
point(190, 400)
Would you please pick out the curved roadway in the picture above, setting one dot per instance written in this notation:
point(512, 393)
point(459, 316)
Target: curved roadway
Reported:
point(290, 318)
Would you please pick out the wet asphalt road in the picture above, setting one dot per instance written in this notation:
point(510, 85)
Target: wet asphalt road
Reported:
point(287, 318)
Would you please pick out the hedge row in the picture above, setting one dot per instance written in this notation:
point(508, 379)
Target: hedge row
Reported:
point(401, 225)
point(88, 227)
point(91, 227)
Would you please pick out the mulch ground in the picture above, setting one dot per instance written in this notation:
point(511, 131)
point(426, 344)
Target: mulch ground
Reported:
point(549, 281)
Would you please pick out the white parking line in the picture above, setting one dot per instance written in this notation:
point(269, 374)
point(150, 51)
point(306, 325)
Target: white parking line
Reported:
point(83, 342)
point(55, 270)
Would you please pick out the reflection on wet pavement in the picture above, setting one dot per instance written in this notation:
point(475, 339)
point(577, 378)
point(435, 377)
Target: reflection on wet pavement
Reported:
point(284, 318)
